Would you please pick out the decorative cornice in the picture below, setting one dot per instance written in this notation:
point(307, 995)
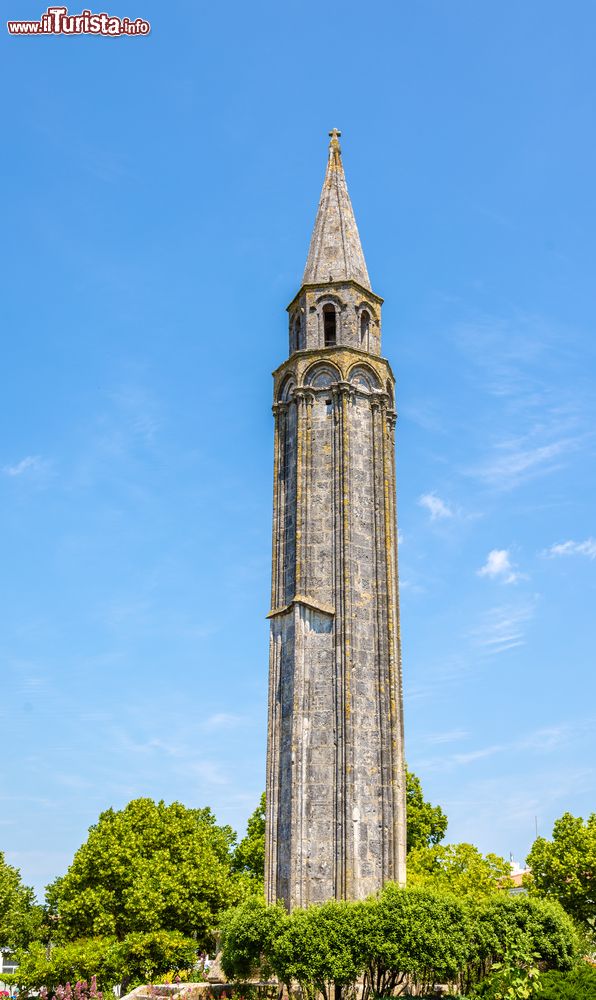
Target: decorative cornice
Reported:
point(327, 286)
point(308, 602)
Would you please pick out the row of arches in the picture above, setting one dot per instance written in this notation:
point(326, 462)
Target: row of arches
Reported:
point(330, 326)
point(324, 374)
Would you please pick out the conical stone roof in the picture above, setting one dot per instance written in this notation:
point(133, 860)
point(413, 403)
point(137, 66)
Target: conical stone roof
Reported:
point(335, 252)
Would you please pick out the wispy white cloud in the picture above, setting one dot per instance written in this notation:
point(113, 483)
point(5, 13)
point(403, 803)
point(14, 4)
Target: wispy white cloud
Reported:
point(451, 736)
point(502, 629)
point(222, 720)
point(436, 507)
point(544, 400)
point(539, 741)
point(31, 463)
point(515, 462)
point(498, 566)
point(586, 548)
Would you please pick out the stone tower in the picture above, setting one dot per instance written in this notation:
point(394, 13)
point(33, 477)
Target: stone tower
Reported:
point(335, 764)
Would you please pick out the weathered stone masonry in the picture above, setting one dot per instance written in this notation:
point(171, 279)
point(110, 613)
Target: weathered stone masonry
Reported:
point(335, 769)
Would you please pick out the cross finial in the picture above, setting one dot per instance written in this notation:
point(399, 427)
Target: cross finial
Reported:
point(334, 136)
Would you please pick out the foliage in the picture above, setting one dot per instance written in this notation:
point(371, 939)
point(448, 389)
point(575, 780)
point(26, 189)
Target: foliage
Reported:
point(20, 917)
point(38, 967)
point(145, 868)
point(249, 855)
point(578, 984)
point(515, 978)
point(426, 824)
point(458, 868)
point(247, 936)
point(140, 958)
point(564, 868)
point(137, 958)
point(504, 924)
point(422, 934)
point(318, 948)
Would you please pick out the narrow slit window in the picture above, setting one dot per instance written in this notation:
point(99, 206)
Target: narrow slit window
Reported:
point(364, 327)
point(329, 325)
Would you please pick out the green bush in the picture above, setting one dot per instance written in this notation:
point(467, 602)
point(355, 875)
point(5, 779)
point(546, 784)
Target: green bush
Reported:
point(507, 923)
point(247, 936)
point(423, 935)
point(578, 984)
point(138, 958)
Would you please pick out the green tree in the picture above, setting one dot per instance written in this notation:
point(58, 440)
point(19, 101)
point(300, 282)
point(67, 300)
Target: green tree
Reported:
point(248, 933)
point(564, 868)
point(426, 824)
point(418, 934)
point(249, 856)
point(319, 949)
point(505, 927)
point(142, 958)
point(20, 916)
point(137, 958)
point(68, 963)
point(458, 868)
point(148, 867)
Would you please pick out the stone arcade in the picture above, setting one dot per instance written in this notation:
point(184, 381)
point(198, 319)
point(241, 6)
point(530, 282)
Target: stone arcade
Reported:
point(335, 765)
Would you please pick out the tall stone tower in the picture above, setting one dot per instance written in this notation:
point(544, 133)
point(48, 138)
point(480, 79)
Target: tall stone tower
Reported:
point(335, 764)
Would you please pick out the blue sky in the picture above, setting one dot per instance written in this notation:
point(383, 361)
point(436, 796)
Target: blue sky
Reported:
point(159, 194)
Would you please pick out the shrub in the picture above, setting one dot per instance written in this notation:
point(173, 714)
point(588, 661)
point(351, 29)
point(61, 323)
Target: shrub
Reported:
point(578, 984)
point(247, 936)
point(420, 935)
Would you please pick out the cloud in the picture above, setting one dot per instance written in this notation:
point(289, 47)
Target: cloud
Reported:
point(222, 720)
point(452, 736)
point(518, 463)
point(498, 566)
point(587, 548)
point(539, 741)
point(502, 629)
point(31, 463)
point(436, 507)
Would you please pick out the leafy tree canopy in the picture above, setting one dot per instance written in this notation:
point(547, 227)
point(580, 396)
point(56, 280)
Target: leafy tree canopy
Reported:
point(139, 958)
point(20, 917)
point(416, 936)
point(564, 868)
point(247, 935)
point(418, 933)
point(249, 856)
point(148, 867)
point(458, 868)
point(426, 824)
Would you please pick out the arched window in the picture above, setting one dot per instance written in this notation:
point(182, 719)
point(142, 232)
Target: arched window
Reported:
point(298, 333)
point(364, 327)
point(329, 325)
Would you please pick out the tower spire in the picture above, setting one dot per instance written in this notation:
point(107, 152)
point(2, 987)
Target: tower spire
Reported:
point(335, 252)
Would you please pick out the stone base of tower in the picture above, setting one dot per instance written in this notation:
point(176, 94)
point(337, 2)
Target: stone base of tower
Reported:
point(335, 785)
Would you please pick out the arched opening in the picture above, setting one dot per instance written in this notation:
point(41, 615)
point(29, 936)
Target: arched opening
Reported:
point(364, 328)
point(298, 333)
point(329, 326)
